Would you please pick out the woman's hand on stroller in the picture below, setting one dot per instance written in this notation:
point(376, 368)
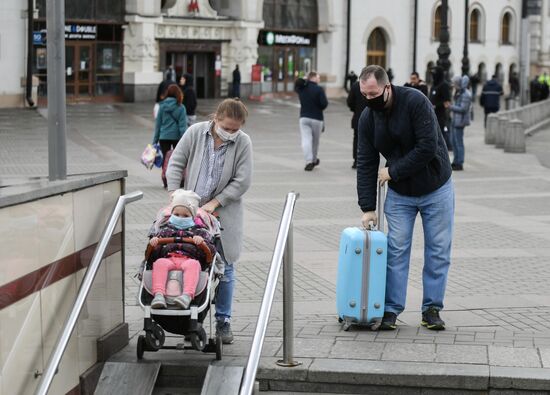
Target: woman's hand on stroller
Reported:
point(198, 240)
point(211, 206)
point(154, 241)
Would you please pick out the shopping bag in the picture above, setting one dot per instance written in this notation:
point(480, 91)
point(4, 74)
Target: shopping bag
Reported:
point(158, 156)
point(148, 156)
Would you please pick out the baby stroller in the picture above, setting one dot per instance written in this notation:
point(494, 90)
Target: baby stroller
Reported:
point(189, 322)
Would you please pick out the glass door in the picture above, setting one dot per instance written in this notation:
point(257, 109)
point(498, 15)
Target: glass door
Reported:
point(70, 70)
point(290, 69)
point(84, 69)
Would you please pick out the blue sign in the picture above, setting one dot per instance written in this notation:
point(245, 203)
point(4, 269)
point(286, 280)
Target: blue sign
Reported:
point(37, 38)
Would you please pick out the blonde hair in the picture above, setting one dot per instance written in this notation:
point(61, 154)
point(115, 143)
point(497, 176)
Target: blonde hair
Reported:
point(232, 108)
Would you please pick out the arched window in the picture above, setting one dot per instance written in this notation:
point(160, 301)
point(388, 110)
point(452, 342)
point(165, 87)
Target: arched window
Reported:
point(376, 48)
point(475, 24)
point(437, 23)
point(505, 29)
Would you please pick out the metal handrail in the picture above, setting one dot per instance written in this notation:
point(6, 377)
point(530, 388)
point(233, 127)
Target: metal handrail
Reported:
point(267, 301)
point(68, 327)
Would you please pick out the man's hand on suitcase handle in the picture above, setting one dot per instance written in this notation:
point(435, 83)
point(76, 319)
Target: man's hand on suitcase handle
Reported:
point(384, 175)
point(369, 218)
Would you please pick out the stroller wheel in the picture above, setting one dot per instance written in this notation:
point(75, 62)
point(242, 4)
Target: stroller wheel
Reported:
point(219, 348)
point(140, 346)
point(198, 339)
point(158, 332)
point(154, 340)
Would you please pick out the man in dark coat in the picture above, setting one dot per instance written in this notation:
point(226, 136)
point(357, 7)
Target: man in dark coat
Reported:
point(400, 124)
point(312, 103)
point(490, 96)
point(416, 83)
point(236, 86)
point(356, 103)
point(439, 95)
point(189, 97)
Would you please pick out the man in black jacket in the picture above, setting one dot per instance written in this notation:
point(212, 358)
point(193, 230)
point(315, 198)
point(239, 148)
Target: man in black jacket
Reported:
point(356, 103)
point(313, 101)
point(439, 95)
point(400, 124)
point(189, 97)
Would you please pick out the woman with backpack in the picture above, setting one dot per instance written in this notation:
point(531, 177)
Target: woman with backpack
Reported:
point(171, 123)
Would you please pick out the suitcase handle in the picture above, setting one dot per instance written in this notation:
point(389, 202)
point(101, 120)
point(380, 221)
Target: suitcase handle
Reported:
point(381, 199)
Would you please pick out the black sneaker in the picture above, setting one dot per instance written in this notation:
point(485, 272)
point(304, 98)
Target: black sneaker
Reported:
point(388, 322)
point(317, 162)
point(309, 166)
point(457, 167)
point(431, 319)
point(223, 328)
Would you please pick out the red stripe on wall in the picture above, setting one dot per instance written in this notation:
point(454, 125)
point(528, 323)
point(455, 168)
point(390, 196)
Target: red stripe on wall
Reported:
point(22, 287)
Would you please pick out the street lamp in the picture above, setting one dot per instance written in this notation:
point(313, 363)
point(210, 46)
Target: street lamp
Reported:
point(465, 60)
point(443, 51)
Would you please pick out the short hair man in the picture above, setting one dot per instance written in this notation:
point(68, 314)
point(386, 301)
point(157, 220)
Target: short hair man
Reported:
point(400, 124)
point(416, 83)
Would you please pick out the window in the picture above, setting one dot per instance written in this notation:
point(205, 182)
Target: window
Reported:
point(437, 24)
point(475, 21)
point(505, 29)
point(376, 48)
point(291, 14)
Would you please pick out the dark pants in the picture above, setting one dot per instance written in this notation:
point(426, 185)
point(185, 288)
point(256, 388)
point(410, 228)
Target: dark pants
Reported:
point(165, 146)
point(236, 90)
point(354, 145)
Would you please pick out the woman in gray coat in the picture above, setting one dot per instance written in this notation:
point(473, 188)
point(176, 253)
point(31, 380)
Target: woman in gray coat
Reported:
point(216, 159)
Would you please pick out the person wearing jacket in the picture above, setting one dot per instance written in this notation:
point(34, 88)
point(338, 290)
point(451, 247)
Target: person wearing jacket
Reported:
point(461, 110)
point(356, 103)
point(400, 124)
point(490, 97)
point(216, 158)
point(171, 122)
point(189, 97)
point(312, 101)
point(441, 93)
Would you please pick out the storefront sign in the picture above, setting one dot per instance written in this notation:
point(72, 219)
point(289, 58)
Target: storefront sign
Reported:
point(280, 38)
point(38, 38)
point(80, 32)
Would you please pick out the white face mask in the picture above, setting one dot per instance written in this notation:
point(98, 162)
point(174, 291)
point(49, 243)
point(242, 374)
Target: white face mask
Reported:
point(225, 135)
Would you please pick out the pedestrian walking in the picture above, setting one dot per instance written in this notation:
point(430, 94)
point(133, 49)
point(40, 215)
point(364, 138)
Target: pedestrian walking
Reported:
point(356, 103)
point(416, 83)
point(161, 93)
point(490, 97)
point(351, 78)
point(189, 97)
point(171, 123)
point(544, 81)
point(460, 110)
point(312, 103)
point(535, 89)
point(216, 158)
point(514, 84)
point(474, 82)
point(236, 85)
point(170, 74)
point(439, 95)
point(400, 124)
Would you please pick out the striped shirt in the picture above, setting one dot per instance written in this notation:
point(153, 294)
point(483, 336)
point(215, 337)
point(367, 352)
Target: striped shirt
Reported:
point(211, 168)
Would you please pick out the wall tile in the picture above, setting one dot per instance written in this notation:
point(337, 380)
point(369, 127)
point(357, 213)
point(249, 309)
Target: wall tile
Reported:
point(21, 345)
point(55, 228)
point(57, 301)
point(18, 231)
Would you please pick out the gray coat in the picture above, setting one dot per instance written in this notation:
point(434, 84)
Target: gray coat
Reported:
point(235, 180)
point(462, 107)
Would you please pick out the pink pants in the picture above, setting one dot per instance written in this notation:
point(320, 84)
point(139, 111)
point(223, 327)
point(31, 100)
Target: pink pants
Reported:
point(190, 267)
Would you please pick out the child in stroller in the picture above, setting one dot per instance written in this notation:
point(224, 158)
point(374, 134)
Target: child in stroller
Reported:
point(180, 224)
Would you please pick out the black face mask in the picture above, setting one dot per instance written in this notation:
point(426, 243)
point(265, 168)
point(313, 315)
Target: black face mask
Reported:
point(377, 103)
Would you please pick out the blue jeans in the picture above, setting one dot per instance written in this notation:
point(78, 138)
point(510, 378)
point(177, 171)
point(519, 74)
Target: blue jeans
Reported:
point(224, 299)
point(458, 145)
point(437, 212)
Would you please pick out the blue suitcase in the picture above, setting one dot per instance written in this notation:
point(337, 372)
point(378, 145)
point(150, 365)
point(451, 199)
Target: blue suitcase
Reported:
point(361, 280)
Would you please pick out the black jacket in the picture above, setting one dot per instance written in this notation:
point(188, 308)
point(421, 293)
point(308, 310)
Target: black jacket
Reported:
point(408, 136)
point(189, 95)
point(356, 103)
point(490, 96)
point(440, 93)
point(312, 99)
point(422, 87)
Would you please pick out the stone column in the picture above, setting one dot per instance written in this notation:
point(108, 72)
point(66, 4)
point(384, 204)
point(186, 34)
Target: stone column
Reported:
point(515, 136)
point(141, 75)
point(501, 131)
point(490, 130)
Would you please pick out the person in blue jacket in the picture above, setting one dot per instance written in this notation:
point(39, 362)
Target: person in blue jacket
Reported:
point(400, 123)
point(312, 101)
point(460, 110)
point(490, 96)
point(171, 122)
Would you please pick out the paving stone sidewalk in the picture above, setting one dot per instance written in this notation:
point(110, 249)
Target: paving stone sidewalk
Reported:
point(498, 300)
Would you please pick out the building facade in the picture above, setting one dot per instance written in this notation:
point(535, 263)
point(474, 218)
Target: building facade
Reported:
point(120, 49)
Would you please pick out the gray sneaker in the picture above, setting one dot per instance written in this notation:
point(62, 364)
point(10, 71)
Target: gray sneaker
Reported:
point(223, 329)
point(158, 302)
point(183, 301)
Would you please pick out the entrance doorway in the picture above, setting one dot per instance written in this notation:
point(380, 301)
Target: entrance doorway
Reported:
point(78, 71)
point(285, 69)
point(200, 65)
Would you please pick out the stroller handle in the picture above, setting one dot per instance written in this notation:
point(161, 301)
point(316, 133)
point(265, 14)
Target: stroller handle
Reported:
point(169, 240)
